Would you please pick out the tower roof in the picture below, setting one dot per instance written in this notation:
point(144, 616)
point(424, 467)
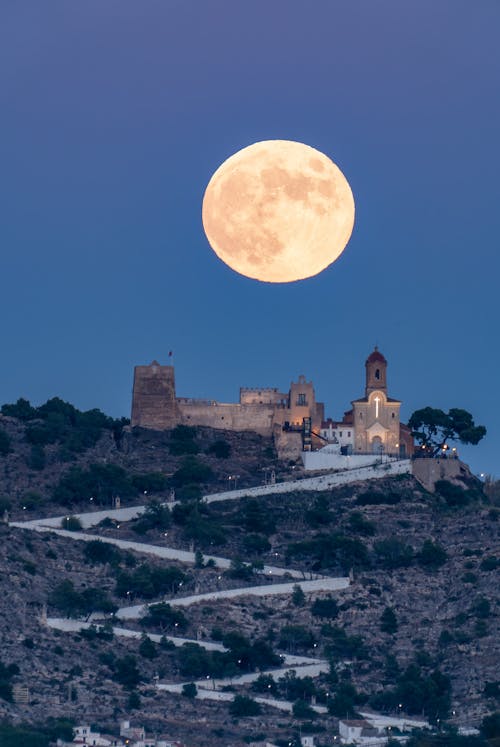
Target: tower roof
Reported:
point(375, 357)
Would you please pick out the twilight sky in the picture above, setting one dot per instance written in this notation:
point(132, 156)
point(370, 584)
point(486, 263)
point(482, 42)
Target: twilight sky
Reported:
point(114, 115)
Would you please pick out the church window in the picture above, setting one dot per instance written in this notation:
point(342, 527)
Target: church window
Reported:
point(377, 373)
point(301, 400)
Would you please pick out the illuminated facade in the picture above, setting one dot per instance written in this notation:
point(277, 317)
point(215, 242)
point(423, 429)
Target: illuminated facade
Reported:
point(295, 419)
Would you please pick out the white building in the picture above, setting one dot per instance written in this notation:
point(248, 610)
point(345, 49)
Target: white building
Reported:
point(360, 731)
point(341, 434)
point(84, 735)
point(129, 737)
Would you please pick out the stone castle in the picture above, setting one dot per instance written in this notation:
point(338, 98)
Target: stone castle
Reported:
point(294, 419)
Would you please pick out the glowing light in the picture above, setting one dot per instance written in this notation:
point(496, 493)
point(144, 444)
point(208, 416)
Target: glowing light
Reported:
point(377, 400)
point(278, 211)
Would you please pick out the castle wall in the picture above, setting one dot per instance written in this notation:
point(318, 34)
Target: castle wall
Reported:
point(429, 471)
point(268, 395)
point(258, 418)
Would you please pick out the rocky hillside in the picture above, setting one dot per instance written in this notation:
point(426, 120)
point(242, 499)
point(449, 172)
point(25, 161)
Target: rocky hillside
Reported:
point(416, 630)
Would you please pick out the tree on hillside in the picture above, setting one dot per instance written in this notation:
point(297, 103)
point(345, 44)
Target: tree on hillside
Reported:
point(433, 428)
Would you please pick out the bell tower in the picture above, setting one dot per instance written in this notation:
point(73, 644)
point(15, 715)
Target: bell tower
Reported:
point(376, 373)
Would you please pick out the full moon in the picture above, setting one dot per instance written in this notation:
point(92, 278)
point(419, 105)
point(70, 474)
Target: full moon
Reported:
point(278, 211)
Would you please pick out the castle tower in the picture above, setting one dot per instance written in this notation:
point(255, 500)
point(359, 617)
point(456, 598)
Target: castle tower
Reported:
point(154, 403)
point(376, 373)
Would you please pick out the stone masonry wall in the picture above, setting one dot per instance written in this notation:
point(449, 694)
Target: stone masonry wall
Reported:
point(258, 418)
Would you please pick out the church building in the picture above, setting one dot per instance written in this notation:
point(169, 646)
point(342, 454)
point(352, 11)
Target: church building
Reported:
point(295, 419)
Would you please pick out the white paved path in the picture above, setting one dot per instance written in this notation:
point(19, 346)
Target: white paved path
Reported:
point(87, 518)
point(167, 553)
point(70, 626)
point(318, 584)
point(323, 482)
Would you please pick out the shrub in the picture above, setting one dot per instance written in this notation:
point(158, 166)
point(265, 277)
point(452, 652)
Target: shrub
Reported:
point(134, 701)
point(255, 518)
point(182, 440)
point(492, 690)
point(242, 706)
point(5, 505)
point(295, 638)
point(490, 726)
point(220, 448)
point(4, 443)
point(490, 563)
point(431, 555)
point(319, 515)
point(297, 688)
point(97, 551)
point(265, 683)
point(192, 471)
point(126, 672)
point(71, 524)
point(481, 608)
point(393, 553)
point(149, 581)
point(303, 710)
point(204, 531)
point(469, 578)
point(343, 646)
point(32, 500)
point(454, 495)
point(189, 690)
point(256, 544)
point(155, 516)
point(36, 459)
point(22, 410)
point(189, 492)
point(360, 525)
point(325, 608)
point(147, 648)
point(150, 482)
point(298, 596)
point(445, 638)
point(388, 621)
point(240, 570)
point(375, 498)
point(164, 617)
point(102, 482)
point(331, 551)
point(345, 701)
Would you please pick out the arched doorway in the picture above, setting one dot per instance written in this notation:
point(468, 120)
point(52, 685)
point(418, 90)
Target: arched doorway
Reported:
point(377, 445)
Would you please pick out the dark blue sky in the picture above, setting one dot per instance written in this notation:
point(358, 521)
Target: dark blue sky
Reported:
point(114, 115)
